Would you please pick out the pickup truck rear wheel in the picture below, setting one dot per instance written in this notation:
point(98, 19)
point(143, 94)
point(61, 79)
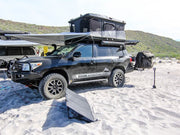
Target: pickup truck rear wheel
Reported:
point(53, 86)
point(117, 78)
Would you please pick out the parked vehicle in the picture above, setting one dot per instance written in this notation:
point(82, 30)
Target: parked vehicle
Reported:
point(71, 64)
point(11, 48)
point(87, 55)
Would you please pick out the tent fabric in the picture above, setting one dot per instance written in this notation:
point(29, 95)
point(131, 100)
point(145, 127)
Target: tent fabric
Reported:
point(95, 25)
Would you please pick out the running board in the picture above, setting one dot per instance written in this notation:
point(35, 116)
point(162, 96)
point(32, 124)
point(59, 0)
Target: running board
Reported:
point(88, 81)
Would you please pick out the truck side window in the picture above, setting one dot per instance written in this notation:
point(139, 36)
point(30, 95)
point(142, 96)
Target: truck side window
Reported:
point(85, 50)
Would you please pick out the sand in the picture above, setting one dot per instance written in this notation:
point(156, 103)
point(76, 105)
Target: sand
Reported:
point(135, 109)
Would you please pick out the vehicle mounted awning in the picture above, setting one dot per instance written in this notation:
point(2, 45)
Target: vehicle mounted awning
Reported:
point(17, 43)
point(60, 38)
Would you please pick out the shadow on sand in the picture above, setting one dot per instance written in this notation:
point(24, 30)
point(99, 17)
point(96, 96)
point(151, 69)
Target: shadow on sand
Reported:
point(12, 99)
point(95, 86)
point(58, 116)
point(17, 98)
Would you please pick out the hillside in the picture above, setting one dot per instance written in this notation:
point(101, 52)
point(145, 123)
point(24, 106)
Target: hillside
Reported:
point(160, 46)
point(32, 28)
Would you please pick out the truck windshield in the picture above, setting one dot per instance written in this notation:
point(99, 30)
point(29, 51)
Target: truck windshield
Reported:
point(63, 50)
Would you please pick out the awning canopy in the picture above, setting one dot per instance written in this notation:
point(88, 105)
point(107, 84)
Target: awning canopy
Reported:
point(17, 43)
point(61, 38)
point(49, 39)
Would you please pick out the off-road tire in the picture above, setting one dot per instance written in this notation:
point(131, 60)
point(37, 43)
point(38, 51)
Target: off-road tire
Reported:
point(117, 78)
point(53, 86)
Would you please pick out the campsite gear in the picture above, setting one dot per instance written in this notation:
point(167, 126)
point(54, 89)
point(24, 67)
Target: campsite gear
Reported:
point(86, 27)
point(99, 26)
point(80, 105)
point(144, 60)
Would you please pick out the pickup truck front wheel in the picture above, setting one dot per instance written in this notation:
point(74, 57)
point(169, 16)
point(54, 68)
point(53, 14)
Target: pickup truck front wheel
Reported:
point(53, 86)
point(117, 78)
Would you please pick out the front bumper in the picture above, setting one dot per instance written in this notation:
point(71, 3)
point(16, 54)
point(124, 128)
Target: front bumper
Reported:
point(25, 77)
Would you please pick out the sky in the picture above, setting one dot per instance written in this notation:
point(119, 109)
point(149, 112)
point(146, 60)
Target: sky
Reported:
point(160, 17)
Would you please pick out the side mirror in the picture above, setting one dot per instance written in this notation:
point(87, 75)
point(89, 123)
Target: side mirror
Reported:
point(77, 54)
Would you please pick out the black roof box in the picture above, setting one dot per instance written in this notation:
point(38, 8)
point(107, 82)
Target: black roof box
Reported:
point(102, 26)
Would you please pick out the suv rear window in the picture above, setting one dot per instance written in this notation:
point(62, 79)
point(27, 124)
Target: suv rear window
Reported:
point(103, 51)
point(14, 51)
point(9, 51)
point(28, 51)
point(116, 51)
point(107, 51)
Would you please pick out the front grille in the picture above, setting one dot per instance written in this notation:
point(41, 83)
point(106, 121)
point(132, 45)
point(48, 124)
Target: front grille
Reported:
point(16, 67)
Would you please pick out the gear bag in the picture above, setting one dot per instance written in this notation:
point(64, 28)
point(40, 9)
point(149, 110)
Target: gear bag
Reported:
point(144, 60)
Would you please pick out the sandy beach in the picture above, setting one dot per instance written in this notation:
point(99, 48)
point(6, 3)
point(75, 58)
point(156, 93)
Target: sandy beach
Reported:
point(135, 109)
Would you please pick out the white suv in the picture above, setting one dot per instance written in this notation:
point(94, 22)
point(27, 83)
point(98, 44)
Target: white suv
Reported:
point(8, 53)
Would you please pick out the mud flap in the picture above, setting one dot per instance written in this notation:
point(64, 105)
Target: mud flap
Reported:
point(144, 60)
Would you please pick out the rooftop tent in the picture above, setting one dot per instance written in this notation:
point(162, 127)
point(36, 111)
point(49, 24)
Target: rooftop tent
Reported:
point(101, 26)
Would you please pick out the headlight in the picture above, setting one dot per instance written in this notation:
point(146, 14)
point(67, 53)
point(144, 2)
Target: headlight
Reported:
point(35, 65)
point(25, 67)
